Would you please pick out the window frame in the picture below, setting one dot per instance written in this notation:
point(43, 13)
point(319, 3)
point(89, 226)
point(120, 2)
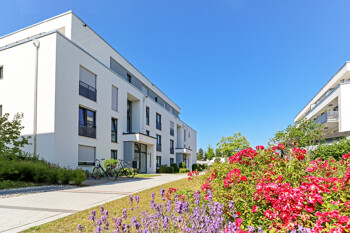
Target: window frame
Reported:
point(147, 115)
point(116, 154)
point(114, 122)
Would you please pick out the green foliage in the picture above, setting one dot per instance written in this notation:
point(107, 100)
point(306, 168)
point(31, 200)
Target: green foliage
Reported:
point(176, 168)
point(184, 170)
point(218, 153)
point(11, 142)
point(200, 154)
point(230, 145)
point(166, 169)
point(182, 165)
point(112, 162)
point(195, 167)
point(303, 133)
point(39, 171)
point(334, 150)
point(209, 154)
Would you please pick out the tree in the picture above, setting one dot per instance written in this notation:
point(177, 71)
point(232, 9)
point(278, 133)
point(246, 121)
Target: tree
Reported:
point(209, 154)
point(302, 134)
point(200, 154)
point(230, 145)
point(11, 142)
point(218, 153)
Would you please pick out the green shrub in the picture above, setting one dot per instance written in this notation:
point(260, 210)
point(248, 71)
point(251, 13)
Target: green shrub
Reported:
point(334, 150)
point(112, 162)
point(78, 176)
point(195, 167)
point(184, 170)
point(166, 169)
point(182, 165)
point(176, 169)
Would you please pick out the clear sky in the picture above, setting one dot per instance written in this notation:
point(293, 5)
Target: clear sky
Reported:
point(244, 66)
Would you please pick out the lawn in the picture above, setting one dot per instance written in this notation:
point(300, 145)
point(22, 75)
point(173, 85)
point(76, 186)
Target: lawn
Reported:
point(9, 184)
point(115, 208)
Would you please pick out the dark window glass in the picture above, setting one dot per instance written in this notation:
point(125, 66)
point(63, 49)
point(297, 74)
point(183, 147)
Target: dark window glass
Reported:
point(114, 127)
point(159, 161)
point(171, 161)
point(147, 132)
point(147, 115)
point(129, 78)
point(1, 72)
point(114, 154)
point(87, 123)
point(159, 143)
point(159, 121)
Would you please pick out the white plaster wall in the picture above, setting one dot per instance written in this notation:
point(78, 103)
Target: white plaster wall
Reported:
point(344, 108)
point(58, 22)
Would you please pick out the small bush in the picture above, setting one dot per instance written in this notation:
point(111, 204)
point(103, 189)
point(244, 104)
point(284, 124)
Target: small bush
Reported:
point(176, 168)
point(195, 167)
point(182, 165)
point(334, 150)
point(112, 162)
point(166, 169)
point(184, 170)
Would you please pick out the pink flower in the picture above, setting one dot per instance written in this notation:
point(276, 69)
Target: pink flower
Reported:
point(238, 222)
point(254, 208)
point(343, 219)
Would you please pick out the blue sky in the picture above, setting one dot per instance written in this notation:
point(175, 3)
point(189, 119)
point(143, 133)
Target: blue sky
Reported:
point(231, 65)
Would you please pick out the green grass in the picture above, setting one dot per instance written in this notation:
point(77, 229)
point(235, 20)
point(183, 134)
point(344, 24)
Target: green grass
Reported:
point(145, 175)
point(115, 208)
point(9, 184)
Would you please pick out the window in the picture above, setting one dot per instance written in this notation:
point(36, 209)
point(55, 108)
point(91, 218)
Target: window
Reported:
point(184, 159)
point(189, 135)
point(156, 99)
point(172, 131)
point(147, 132)
point(114, 98)
point(1, 72)
point(128, 117)
point(0, 110)
point(87, 123)
point(114, 154)
point(171, 146)
point(114, 130)
point(147, 115)
point(86, 155)
point(129, 78)
point(184, 135)
point(171, 161)
point(159, 121)
point(159, 143)
point(87, 84)
point(159, 161)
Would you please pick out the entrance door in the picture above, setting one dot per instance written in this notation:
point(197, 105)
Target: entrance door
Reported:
point(140, 155)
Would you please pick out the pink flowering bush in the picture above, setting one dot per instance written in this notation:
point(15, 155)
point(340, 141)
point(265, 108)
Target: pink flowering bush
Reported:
point(284, 193)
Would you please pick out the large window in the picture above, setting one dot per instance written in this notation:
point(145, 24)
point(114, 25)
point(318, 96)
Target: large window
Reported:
point(86, 155)
point(87, 122)
point(159, 143)
point(158, 121)
point(159, 161)
point(147, 115)
point(171, 146)
point(114, 154)
point(172, 131)
point(87, 84)
point(114, 130)
point(114, 98)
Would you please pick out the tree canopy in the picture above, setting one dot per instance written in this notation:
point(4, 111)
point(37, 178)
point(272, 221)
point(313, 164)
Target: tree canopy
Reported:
point(230, 145)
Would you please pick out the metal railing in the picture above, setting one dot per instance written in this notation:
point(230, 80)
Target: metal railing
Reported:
point(159, 147)
point(327, 116)
point(87, 131)
point(172, 132)
point(87, 91)
point(159, 126)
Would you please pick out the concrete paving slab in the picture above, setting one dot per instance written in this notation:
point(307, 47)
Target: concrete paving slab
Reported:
point(22, 212)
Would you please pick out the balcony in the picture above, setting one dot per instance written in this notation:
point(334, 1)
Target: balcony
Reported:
point(172, 132)
point(329, 116)
point(171, 150)
point(159, 147)
point(87, 91)
point(159, 126)
point(87, 131)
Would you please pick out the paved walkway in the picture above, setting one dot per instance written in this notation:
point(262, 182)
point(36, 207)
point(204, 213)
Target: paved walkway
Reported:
point(22, 212)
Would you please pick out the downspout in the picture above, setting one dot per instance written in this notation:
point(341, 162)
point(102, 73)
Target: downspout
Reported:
point(36, 43)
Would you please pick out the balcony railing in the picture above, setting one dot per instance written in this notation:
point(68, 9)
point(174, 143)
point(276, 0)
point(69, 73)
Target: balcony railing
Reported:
point(159, 126)
point(171, 150)
point(87, 91)
point(87, 131)
point(159, 147)
point(172, 132)
point(327, 116)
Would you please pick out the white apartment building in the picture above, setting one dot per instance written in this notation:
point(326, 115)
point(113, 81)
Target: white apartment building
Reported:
point(331, 105)
point(83, 101)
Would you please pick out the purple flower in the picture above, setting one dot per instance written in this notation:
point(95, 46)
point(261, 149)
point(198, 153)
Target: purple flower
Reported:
point(101, 209)
point(98, 229)
point(153, 196)
point(98, 222)
point(125, 214)
point(131, 197)
point(80, 228)
point(137, 198)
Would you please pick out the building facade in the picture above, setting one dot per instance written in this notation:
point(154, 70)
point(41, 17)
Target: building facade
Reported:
point(331, 106)
point(83, 101)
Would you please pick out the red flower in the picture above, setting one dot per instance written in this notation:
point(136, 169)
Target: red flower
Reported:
point(343, 219)
point(310, 208)
point(238, 222)
point(254, 208)
point(244, 178)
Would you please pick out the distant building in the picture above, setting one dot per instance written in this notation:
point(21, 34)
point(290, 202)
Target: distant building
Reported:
point(83, 101)
point(331, 106)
